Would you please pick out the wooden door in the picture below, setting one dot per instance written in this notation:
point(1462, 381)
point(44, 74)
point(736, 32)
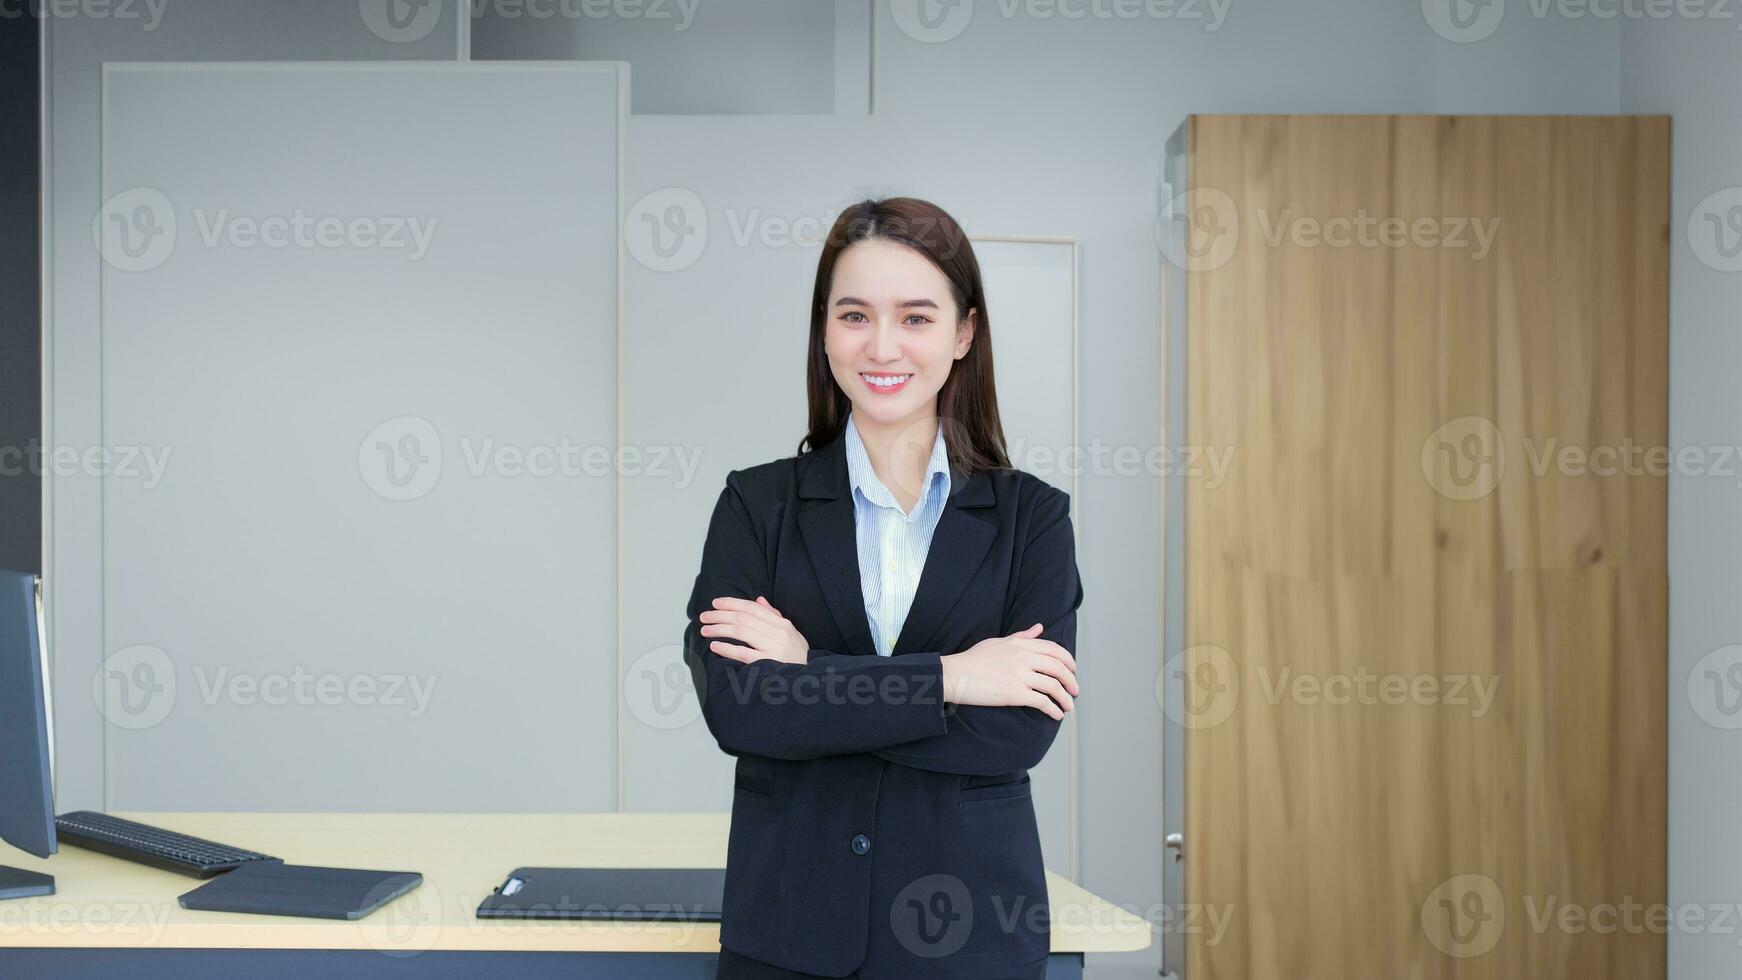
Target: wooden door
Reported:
point(1429, 490)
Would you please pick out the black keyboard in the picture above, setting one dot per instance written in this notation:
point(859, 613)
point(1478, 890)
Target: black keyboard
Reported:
point(159, 848)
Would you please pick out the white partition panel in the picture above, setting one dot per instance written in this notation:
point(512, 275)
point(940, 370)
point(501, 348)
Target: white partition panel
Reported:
point(1031, 301)
point(365, 320)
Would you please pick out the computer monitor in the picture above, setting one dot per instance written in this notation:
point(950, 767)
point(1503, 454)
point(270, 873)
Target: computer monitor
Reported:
point(26, 727)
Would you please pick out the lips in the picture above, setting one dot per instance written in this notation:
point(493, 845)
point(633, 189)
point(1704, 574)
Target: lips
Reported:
point(885, 389)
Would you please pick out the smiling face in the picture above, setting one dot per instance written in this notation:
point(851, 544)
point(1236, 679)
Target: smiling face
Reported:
point(893, 331)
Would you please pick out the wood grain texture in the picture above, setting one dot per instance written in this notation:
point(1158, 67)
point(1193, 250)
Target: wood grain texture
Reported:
point(1400, 504)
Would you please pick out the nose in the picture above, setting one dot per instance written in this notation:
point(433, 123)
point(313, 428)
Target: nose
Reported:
point(886, 342)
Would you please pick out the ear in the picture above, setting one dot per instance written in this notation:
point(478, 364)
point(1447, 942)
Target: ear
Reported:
point(965, 332)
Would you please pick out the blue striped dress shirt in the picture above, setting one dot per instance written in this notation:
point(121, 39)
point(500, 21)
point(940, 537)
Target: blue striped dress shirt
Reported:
point(892, 544)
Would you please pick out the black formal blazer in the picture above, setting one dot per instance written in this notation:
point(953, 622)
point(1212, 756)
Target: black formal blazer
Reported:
point(875, 826)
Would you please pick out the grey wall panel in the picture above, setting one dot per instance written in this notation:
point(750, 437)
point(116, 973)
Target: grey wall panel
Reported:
point(376, 568)
point(75, 48)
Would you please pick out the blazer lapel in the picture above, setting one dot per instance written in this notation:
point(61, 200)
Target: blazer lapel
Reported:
point(831, 541)
point(958, 547)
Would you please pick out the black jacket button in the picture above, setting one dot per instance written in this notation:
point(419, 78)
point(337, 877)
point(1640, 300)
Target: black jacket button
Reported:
point(861, 843)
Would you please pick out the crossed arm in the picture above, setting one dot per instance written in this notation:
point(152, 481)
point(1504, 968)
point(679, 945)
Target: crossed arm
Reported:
point(893, 707)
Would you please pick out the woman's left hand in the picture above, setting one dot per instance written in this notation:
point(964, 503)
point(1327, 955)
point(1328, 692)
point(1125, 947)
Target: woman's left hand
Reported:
point(769, 634)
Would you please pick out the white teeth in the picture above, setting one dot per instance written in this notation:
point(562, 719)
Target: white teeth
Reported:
point(886, 382)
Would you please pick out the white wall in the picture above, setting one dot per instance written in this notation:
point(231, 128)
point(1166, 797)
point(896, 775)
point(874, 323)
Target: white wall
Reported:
point(1691, 69)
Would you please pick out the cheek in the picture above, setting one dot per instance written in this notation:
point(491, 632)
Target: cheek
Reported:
point(939, 356)
point(834, 338)
point(843, 347)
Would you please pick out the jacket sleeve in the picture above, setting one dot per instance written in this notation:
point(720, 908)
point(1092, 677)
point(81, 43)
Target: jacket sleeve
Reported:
point(834, 704)
point(986, 739)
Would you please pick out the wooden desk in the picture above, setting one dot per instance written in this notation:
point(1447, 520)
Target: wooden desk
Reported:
point(110, 917)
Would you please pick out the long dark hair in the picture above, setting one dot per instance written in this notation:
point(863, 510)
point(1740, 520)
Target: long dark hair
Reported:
point(968, 400)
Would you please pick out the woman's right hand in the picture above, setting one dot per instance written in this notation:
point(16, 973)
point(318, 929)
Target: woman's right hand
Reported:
point(1016, 670)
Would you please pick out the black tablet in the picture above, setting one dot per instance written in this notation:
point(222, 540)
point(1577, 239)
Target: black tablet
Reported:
point(276, 888)
point(620, 894)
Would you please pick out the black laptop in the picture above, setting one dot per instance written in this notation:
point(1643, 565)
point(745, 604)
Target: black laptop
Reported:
point(616, 894)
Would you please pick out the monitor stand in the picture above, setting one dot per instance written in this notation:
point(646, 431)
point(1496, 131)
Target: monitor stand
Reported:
point(18, 883)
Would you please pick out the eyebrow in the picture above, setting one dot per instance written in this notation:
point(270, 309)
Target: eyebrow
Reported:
point(904, 304)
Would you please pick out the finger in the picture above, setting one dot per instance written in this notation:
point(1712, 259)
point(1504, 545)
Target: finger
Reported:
point(1055, 668)
point(1055, 651)
point(741, 654)
point(749, 631)
point(725, 616)
point(747, 655)
point(1050, 650)
point(721, 631)
point(770, 605)
point(1035, 699)
point(766, 632)
point(733, 604)
point(1051, 687)
point(1030, 631)
point(752, 613)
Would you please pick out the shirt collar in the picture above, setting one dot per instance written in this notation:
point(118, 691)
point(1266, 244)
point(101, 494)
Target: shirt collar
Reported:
point(864, 477)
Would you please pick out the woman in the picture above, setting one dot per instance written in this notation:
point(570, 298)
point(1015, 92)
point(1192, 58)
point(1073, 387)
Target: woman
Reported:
point(883, 634)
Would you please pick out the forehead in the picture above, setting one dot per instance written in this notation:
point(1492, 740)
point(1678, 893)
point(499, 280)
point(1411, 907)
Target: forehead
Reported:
point(878, 269)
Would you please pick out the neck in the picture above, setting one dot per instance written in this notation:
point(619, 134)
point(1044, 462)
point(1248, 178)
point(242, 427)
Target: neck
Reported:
point(899, 452)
